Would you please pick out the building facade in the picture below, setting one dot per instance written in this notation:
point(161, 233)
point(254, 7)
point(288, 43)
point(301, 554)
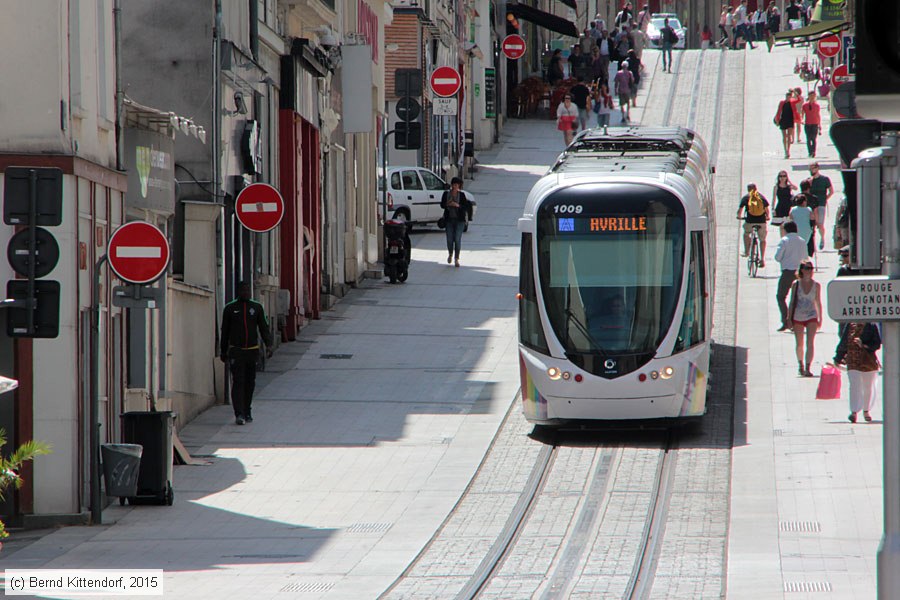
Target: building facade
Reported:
point(60, 113)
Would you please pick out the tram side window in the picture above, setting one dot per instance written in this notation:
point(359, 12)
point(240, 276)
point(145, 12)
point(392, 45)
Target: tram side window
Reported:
point(693, 323)
point(531, 332)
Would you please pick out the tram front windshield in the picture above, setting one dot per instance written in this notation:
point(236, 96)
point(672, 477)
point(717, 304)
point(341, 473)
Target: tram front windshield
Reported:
point(610, 267)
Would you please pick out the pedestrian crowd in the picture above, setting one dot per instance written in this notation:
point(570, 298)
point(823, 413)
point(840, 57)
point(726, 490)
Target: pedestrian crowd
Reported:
point(799, 212)
point(588, 87)
point(739, 26)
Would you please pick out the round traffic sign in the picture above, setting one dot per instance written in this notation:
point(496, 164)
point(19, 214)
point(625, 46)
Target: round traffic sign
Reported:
point(445, 81)
point(46, 253)
point(840, 76)
point(259, 207)
point(408, 108)
point(513, 46)
point(138, 252)
point(829, 46)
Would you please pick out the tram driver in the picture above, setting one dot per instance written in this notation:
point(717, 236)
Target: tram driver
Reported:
point(610, 325)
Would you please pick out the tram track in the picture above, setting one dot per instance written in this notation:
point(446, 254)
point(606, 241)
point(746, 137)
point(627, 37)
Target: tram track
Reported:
point(623, 480)
point(513, 525)
point(641, 580)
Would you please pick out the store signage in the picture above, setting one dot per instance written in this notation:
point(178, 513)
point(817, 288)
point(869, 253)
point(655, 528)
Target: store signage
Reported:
point(490, 93)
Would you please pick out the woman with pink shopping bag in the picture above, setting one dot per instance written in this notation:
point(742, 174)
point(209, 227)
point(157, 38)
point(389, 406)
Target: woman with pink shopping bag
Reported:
point(857, 348)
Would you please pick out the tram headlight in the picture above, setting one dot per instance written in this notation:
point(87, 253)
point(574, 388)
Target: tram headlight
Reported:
point(654, 375)
point(566, 375)
point(667, 372)
point(553, 373)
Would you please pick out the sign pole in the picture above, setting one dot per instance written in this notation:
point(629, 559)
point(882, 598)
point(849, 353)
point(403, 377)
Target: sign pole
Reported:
point(889, 549)
point(384, 174)
point(96, 509)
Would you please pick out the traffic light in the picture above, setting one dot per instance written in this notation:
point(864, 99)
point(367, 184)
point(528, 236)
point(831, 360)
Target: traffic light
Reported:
point(32, 196)
point(408, 86)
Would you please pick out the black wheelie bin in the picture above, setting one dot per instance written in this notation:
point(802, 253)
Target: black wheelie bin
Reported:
point(153, 431)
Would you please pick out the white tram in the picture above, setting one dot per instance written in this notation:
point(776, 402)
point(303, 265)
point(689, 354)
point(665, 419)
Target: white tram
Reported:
point(616, 279)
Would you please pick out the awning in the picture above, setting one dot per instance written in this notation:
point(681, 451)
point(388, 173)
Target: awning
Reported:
point(543, 19)
point(814, 30)
point(570, 4)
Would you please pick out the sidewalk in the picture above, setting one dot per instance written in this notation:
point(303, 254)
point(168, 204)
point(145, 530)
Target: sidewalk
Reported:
point(366, 431)
point(806, 511)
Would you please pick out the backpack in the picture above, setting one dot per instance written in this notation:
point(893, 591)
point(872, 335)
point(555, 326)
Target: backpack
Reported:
point(755, 205)
point(671, 36)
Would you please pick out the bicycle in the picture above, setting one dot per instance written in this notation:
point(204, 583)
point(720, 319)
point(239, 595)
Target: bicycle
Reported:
point(753, 257)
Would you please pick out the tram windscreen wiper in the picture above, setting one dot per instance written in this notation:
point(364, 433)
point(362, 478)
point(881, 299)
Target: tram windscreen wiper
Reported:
point(582, 328)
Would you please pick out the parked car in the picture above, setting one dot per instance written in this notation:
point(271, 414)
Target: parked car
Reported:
point(414, 194)
point(657, 22)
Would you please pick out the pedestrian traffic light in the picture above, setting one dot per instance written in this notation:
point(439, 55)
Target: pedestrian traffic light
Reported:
point(32, 196)
point(407, 136)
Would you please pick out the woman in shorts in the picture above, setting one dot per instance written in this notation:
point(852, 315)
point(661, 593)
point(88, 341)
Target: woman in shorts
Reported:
point(805, 315)
point(567, 118)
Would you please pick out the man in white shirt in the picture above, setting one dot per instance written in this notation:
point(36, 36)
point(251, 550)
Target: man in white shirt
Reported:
point(742, 26)
point(759, 23)
point(790, 253)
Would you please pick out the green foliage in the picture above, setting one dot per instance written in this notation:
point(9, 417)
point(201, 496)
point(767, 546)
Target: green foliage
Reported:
point(9, 467)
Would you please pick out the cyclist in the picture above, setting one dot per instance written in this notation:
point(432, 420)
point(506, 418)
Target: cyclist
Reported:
point(757, 215)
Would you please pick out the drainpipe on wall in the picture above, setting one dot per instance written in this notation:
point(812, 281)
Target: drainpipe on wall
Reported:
point(120, 94)
point(217, 178)
point(254, 29)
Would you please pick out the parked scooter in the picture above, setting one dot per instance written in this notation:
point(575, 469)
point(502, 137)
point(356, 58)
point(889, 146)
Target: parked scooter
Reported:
point(397, 251)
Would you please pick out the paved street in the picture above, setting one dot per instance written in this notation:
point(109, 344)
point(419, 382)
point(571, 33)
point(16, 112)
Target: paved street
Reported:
point(370, 428)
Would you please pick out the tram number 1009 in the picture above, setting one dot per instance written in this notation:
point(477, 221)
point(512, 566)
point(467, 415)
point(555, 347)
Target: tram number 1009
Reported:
point(567, 209)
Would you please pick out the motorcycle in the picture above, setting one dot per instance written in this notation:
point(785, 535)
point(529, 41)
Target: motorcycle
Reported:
point(397, 250)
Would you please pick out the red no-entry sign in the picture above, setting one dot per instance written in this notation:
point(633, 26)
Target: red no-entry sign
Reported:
point(138, 252)
point(445, 81)
point(513, 46)
point(829, 46)
point(259, 207)
point(840, 76)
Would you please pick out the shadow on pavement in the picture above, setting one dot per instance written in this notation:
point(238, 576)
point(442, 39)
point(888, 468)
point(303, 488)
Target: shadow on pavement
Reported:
point(201, 530)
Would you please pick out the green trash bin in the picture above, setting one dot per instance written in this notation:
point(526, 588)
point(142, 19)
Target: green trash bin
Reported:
point(121, 467)
point(152, 430)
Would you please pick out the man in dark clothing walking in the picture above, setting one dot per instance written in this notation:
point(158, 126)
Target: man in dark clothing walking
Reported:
point(581, 97)
point(241, 319)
